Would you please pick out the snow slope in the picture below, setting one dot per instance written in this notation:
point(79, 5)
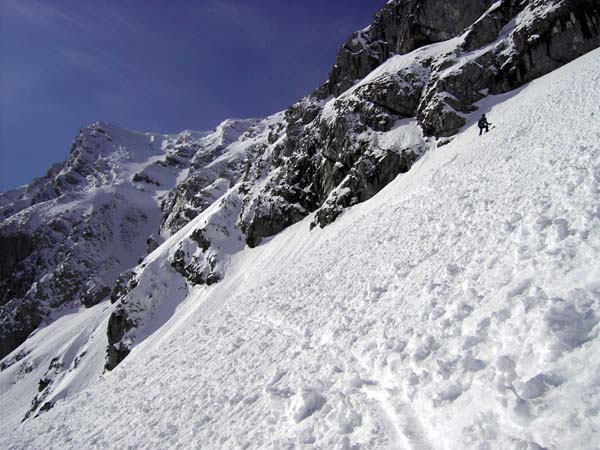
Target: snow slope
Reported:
point(457, 309)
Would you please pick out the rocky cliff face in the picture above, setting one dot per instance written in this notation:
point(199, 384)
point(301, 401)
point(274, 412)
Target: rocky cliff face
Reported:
point(514, 43)
point(327, 155)
point(397, 29)
point(218, 163)
point(400, 87)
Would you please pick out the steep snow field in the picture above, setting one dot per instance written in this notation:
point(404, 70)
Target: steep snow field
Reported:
point(457, 309)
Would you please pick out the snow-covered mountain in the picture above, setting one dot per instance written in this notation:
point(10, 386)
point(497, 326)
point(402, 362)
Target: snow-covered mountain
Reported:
point(235, 288)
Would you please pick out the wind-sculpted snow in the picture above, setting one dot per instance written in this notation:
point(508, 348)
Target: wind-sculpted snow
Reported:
point(458, 308)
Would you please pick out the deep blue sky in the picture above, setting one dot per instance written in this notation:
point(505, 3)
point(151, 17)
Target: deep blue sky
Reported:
point(155, 65)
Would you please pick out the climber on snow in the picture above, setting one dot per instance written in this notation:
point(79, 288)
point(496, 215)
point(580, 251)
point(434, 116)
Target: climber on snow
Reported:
point(483, 124)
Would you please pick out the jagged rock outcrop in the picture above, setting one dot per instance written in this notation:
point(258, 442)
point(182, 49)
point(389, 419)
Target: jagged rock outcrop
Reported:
point(400, 27)
point(15, 249)
point(118, 324)
point(324, 140)
point(215, 168)
point(469, 49)
point(513, 44)
point(544, 42)
point(39, 190)
point(38, 404)
point(336, 152)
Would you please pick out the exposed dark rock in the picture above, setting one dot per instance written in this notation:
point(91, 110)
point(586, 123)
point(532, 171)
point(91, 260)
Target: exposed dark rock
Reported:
point(143, 178)
point(18, 319)
point(321, 156)
point(563, 34)
point(7, 362)
point(78, 359)
point(55, 245)
point(94, 292)
point(198, 237)
point(39, 190)
point(191, 271)
point(124, 284)
point(365, 179)
point(305, 169)
point(312, 160)
point(118, 324)
point(400, 27)
point(209, 177)
point(14, 248)
point(152, 243)
point(399, 95)
point(56, 366)
point(186, 201)
point(43, 384)
point(197, 270)
point(46, 407)
point(557, 34)
point(212, 278)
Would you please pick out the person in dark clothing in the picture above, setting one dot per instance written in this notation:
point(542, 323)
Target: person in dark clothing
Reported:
point(483, 124)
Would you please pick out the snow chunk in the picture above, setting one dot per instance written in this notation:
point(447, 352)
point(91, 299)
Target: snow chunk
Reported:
point(305, 403)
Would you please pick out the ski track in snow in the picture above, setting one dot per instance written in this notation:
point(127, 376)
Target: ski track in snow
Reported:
point(457, 309)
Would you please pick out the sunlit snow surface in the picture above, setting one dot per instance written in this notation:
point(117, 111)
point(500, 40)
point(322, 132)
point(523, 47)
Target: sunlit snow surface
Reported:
point(458, 309)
